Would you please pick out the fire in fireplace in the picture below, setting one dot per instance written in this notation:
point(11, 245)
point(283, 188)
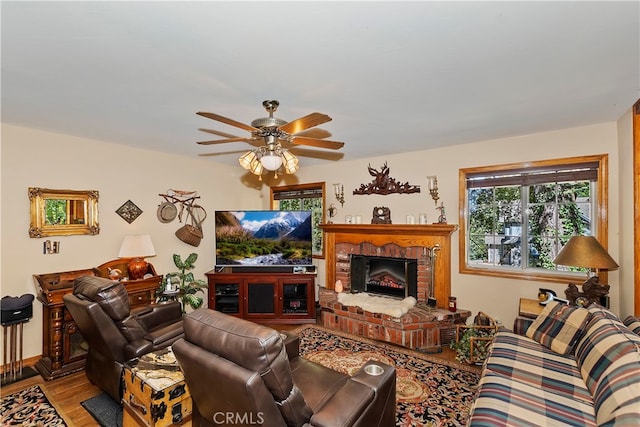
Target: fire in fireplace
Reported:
point(392, 277)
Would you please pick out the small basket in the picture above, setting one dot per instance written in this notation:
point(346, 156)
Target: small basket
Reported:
point(480, 333)
point(191, 234)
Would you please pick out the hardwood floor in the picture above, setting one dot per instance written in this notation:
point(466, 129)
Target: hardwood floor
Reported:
point(66, 393)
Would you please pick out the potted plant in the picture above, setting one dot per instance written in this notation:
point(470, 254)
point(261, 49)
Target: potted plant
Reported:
point(183, 283)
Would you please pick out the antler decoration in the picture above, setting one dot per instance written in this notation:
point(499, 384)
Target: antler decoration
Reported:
point(384, 184)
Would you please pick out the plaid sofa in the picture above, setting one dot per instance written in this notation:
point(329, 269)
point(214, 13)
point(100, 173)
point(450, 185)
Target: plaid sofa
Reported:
point(589, 377)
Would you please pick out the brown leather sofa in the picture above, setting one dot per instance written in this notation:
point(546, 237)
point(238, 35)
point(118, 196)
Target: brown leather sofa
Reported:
point(114, 333)
point(241, 373)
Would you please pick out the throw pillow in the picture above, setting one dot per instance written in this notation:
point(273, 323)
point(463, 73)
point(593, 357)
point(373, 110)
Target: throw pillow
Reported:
point(633, 323)
point(559, 327)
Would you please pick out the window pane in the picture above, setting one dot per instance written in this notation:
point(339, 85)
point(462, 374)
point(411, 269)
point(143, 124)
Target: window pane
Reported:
point(308, 197)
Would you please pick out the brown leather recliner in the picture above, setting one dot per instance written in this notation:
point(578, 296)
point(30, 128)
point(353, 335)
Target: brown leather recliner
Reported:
point(241, 373)
point(116, 334)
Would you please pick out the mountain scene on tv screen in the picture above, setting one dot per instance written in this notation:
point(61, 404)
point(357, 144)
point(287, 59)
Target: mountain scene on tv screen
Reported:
point(263, 238)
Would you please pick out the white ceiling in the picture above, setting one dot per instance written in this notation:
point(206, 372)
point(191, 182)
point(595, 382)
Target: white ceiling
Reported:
point(394, 76)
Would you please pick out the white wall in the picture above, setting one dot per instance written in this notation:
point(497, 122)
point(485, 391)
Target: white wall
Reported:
point(497, 297)
point(32, 158)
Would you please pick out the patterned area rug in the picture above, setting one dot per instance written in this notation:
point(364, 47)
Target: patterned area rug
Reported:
point(30, 407)
point(430, 391)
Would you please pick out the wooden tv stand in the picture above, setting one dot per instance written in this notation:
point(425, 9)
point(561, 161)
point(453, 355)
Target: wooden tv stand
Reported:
point(263, 297)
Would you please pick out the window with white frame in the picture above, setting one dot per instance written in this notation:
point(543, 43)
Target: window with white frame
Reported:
point(517, 217)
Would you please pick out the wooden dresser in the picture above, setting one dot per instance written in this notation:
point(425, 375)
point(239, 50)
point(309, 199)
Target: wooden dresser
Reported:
point(63, 348)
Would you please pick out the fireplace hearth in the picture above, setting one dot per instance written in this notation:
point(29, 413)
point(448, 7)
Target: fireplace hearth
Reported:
point(423, 327)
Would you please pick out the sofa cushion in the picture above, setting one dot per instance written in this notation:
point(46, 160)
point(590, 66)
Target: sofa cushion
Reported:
point(503, 401)
point(530, 362)
point(633, 323)
point(608, 356)
point(559, 326)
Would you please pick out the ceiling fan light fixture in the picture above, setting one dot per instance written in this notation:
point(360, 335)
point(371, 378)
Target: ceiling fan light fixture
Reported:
point(256, 167)
point(247, 159)
point(272, 130)
point(290, 162)
point(271, 161)
point(291, 168)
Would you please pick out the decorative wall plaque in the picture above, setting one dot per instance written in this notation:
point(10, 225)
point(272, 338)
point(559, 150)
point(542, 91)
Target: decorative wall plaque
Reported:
point(129, 211)
point(384, 184)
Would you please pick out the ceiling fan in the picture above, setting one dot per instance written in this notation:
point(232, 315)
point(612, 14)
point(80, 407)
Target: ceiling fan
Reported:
point(269, 134)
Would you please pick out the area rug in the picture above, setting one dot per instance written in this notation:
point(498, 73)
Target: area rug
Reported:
point(106, 411)
point(430, 391)
point(30, 407)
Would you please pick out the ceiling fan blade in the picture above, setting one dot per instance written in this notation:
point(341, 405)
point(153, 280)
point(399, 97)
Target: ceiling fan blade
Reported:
point(317, 133)
point(223, 141)
point(217, 132)
point(306, 122)
point(322, 155)
point(321, 143)
point(227, 121)
point(222, 153)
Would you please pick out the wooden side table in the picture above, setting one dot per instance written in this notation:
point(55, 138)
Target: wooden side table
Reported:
point(530, 308)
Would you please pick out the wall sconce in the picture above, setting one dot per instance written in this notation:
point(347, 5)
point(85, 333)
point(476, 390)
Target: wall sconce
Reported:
point(331, 211)
point(432, 184)
point(338, 189)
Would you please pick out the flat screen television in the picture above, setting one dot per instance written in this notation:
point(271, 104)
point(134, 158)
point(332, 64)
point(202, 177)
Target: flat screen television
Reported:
point(252, 238)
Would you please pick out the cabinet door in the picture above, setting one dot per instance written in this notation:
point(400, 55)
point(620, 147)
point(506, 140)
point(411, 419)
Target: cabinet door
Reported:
point(260, 298)
point(225, 296)
point(296, 298)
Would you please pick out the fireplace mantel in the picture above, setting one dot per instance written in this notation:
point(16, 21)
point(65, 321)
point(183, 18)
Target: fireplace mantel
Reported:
point(404, 236)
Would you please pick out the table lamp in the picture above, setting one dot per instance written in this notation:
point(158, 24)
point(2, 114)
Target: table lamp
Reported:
point(586, 252)
point(137, 247)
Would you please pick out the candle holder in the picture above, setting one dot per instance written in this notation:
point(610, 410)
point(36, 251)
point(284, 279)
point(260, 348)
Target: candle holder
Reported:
point(432, 184)
point(331, 211)
point(338, 189)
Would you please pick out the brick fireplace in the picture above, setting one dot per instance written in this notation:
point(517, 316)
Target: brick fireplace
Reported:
point(421, 327)
point(390, 240)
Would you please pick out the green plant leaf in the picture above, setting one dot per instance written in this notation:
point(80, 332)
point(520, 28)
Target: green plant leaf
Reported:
point(178, 261)
point(192, 300)
point(189, 263)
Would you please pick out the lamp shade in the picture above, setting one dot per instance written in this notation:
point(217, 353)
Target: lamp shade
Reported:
point(256, 167)
point(246, 159)
point(136, 246)
point(586, 252)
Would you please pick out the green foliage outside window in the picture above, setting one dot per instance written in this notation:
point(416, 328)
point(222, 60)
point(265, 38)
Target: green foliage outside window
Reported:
point(308, 204)
point(502, 219)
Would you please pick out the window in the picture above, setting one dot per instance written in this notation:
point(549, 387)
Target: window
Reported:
point(517, 217)
point(303, 197)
